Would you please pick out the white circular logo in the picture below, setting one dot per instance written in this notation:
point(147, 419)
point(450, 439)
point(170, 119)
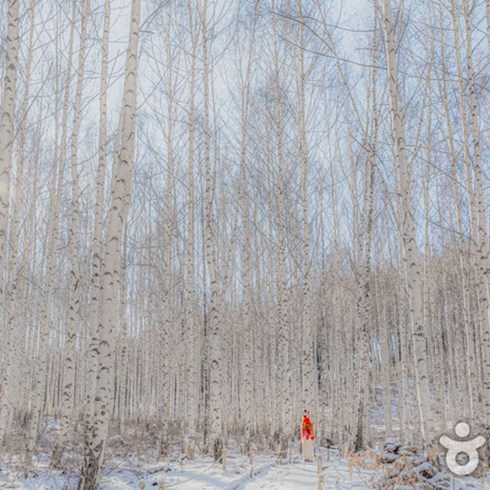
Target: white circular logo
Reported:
point(468, 449)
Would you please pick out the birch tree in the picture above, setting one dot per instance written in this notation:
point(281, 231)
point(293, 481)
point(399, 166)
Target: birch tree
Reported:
point(120, 199)
point(71, 330)
point(6, 156)
point(411, 257)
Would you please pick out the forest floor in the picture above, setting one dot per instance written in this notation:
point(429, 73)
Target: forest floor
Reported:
point(266, 474)
point(203, 474)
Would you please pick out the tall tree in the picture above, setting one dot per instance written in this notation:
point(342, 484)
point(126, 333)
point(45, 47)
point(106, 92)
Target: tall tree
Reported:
point(111, 262)
point(7, 115)
point(68, 395)
point(411, 255)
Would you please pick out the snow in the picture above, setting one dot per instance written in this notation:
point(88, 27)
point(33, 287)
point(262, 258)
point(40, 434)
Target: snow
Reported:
point(304, 476)
point(287, 477)
point(267, 474)
point(204, 474)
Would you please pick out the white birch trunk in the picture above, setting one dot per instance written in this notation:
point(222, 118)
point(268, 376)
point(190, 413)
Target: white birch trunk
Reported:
point(7, 111)
point(411, 257)
point(120, 199)
point(68, 395)
point(191, 323)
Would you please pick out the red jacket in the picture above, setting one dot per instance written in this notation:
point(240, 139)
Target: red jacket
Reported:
point(307, 429)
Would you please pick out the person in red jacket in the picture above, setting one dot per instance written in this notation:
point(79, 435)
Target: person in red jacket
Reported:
point(307, 438)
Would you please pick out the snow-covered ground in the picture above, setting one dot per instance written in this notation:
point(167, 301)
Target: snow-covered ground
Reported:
point(203, 474)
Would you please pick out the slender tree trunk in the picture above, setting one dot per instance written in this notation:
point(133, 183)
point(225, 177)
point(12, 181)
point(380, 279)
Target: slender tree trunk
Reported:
point(215, 394)
point(164, 365)
point(411, 254)
point(7, 111)
point(190, 297)
point(120, 199)
point(13, 298)
point(309, 382)
point(96, 279)
point(68, 396)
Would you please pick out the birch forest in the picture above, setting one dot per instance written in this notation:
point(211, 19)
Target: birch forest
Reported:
point(215, 214)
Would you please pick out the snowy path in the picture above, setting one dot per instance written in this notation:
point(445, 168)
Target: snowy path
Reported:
point(204, 474)
point(298, 476)
point(268, 475)
point(294, 476)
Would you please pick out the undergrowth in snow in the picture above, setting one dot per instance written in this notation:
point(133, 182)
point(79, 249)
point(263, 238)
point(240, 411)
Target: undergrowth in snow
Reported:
point(134, 460)
point(376, 469)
